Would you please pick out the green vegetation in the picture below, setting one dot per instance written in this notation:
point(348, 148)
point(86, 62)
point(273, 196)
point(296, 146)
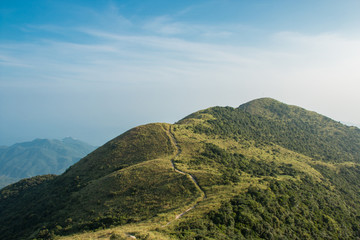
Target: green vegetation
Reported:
point(269, 171)
point(297, 207)
point(24, 185)
point(268, 121)
point(129, 179)
point(285, 210)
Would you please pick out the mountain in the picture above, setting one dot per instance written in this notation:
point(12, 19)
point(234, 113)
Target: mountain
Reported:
point(351, 124)
point(264, 170)
point(41, 156)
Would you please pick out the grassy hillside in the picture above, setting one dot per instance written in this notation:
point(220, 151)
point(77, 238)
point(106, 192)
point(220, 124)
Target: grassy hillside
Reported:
point(269, 121)
point(129, 179)
point(265, 190)
point(264, 170)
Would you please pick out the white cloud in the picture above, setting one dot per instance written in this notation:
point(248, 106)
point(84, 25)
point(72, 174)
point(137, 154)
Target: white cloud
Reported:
point(164, 25)
point(294, 56)
point(318, 72)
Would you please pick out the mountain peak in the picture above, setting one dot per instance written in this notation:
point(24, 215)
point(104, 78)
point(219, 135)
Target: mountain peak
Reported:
point(260, 163)
point(263, 106)
point(70, 140)
point(261, 101)
point(274, 109)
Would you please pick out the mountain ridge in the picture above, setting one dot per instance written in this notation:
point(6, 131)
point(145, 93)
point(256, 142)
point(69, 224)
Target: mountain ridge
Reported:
point(257, 165)
point(282, 127)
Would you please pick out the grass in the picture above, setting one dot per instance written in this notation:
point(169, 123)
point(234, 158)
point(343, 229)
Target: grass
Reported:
point(129, 186)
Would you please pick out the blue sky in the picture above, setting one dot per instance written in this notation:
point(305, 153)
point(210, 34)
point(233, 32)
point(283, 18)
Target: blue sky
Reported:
point(93, 69)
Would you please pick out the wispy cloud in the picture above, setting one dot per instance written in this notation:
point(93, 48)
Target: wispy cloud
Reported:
point(294, 66)
point(102, 67)
point(12, 62)
point(299, 57)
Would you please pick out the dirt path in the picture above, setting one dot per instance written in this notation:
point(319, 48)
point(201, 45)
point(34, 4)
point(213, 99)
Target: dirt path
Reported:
point(130, 236)
point(178, 149)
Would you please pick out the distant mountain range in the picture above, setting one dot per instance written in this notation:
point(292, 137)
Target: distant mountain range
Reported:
point(38, 157)
point(351, 124)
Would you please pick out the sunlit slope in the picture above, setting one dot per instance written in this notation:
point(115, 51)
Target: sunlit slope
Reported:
point(265, 170)
point(276, 171)
point(134, 146)
point(269, 121)
point(257, 185)
point(128, 179)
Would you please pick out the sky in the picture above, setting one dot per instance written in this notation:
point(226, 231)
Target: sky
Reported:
point(94, 69)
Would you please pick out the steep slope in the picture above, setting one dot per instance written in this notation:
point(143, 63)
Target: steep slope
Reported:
point(269, 121)
point(281, 173)
point(265, 170)
point(319, 136)
point(127, 180)
point(41, 156)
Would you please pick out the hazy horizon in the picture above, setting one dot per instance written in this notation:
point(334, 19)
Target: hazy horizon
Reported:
point(93, 69)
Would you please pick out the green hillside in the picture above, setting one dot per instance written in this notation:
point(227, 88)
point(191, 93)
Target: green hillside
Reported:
point(269, 121)
point(264, 170)
point(41, 156)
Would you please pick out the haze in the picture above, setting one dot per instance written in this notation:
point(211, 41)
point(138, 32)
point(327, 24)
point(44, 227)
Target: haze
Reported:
point(93, 69)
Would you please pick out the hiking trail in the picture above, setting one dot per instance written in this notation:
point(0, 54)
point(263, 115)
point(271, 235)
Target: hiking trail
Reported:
point(178, 149)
